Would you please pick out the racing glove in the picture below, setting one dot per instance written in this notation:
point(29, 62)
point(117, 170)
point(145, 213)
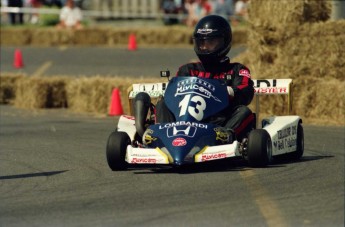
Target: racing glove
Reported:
point(230, 92)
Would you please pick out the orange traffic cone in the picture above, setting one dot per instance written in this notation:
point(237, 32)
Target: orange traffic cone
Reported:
point(132, 43)
point(115, 103)
point(18, 59)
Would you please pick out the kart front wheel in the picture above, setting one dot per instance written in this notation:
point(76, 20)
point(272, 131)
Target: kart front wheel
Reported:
point(116, 150)
point(259, 152)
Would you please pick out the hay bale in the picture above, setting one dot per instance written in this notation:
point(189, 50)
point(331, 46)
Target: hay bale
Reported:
point(320, 100)
point(44, 37)
point(51, 37)
point(273, 14)
point(8, 87)
point(93, 94)
point(275, 22)
point(41, 92)
point(117, 36)
point(17, 37)
point(90, 36)
point(289, 39)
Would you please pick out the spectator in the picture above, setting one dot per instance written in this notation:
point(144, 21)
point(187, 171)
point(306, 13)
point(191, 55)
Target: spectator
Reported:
point(171, 9)
point(224, 8)
point(16, 18)
point(70, 16)
point(190, 7)
point(241, 10)
point(35, 4)
point(197, 10)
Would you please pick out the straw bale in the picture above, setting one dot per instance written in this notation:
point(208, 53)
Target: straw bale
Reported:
point(90, 36)
point(41, 92)
point(8, 87)
point(15, 36)
point(43, 37)
point(272, 14)
point(93, 94)
point(117, 36)
point(316, 100)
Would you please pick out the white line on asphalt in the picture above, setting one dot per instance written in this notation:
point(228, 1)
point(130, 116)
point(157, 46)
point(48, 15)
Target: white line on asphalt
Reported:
point(268, 208)
point(42, 69)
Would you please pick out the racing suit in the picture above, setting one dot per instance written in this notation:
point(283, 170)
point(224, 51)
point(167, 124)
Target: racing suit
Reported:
point(237, 117)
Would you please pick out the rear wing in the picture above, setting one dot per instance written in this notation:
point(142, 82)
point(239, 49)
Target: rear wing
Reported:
point(155, 90)
point(261, 86)
point(272, 87)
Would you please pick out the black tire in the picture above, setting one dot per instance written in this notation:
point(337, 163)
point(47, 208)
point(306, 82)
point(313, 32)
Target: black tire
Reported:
point(259, 153)
point(300, 144)
point(116, 150)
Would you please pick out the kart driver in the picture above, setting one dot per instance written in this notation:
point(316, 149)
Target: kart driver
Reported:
point(212, 42)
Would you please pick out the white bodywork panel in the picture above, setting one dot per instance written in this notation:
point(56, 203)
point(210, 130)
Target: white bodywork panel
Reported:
point(261, 86)
point(138, 155)
point(127, 124)
point(283, 132)
point(154, 90)
point(145, 156)
point(217, 152)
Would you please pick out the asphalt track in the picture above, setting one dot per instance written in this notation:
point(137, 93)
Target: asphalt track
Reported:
point(92, 61)
point(53, 170)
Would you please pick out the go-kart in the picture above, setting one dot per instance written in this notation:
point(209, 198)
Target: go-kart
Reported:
point(139, 139)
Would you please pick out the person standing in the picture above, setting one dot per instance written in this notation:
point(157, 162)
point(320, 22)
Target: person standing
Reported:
point(70, 16)
point(16, 18)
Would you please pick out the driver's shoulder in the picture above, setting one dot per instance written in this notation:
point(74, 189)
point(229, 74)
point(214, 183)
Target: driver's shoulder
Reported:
point(239, 66)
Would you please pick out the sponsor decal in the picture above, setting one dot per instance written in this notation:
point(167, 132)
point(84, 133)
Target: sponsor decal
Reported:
point(208, 157)
point(181, 130)
point(152, 87)
point(144, 160)
point(151, 93)
point(266, 82)
point(272, 90)
point(179, 142)
point(148, 138)
point(128, 117)
point(269, 87)
point(221, 135)
point(244, 72)
point(287, 138)
point(196, 86)
point(179, 123)
point(206, 31)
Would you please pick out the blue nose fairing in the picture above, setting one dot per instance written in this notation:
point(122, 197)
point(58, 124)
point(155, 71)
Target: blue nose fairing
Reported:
point(182, 139)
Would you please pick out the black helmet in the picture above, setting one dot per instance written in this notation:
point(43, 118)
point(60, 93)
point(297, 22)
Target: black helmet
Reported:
point(212, 38)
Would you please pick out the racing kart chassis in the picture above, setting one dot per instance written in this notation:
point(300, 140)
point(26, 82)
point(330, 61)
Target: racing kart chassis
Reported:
point(138, 139)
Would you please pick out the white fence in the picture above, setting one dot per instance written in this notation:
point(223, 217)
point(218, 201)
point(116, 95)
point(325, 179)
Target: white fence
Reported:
point(106, 8)
point(128, 8)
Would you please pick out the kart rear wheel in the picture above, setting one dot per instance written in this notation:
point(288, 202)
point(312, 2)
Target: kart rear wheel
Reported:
point(300, 144)
point(116, 150)
point(259, 152)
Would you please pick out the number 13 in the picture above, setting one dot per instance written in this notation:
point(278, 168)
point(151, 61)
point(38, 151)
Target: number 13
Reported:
point(196, 111)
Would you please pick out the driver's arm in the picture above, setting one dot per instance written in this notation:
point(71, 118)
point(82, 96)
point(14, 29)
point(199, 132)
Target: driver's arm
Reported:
point(242, 86)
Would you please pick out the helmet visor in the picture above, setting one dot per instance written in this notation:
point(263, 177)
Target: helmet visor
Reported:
point(208, 45)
